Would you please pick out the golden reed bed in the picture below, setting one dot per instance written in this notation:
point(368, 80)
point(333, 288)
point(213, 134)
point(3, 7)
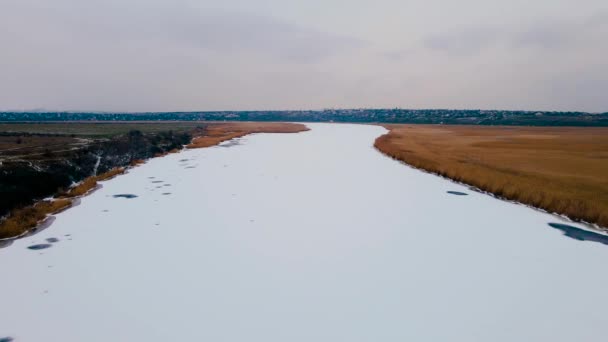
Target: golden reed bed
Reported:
point(219, 132)
point(559, 169)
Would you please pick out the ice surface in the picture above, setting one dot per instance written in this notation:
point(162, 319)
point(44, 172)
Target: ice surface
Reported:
point(313, 236)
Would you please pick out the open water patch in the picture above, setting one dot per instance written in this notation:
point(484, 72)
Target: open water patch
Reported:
point(129, 196)
point(457, 193)
point(579, 234)
point(40, 246)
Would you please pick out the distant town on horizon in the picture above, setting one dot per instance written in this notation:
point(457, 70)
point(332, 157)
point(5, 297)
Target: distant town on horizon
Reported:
point(396, 115)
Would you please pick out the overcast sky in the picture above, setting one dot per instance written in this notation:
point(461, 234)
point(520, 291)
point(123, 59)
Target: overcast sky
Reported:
point(165, 55)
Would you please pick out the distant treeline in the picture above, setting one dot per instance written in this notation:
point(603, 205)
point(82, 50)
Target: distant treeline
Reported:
point(423, 116)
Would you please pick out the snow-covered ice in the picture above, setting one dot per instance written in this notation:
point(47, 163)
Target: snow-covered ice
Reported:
point(314, 236)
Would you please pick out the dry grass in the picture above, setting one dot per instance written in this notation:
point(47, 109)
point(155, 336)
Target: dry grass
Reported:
point(559, 169)
point(25, 219)
point(217, 133)
point(90, 183)
point(110, 174)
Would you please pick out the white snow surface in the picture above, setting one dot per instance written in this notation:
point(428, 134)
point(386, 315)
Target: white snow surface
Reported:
point(314, 236)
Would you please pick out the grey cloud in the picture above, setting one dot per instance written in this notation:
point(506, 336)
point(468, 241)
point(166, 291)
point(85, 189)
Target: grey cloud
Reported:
point(221, 31)
point(598, 19)
point(585, 89)
point(544, 35)
point(245, 54)
point(398, 55)
point(562, 34)
point(464, 42)
point(239, 31)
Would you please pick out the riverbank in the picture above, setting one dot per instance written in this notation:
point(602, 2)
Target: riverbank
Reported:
point(301, 237)
point(559, 169)
point(220, 132)
point(23, 220)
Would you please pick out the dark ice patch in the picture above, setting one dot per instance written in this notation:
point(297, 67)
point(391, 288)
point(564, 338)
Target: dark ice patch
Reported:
point(183, 160)
point(6, 339)
point(39, 246)
point(124, 196)
point(159, 181)
point(52, 240)
point(457, 193)
point(167, 185)
point(166, 193)
point(579, 234)
point(191, 167)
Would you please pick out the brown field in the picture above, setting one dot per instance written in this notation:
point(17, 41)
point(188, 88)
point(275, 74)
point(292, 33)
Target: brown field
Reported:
point(219, 132)
point(559, 169)
point(97, 129)
point(30, 148)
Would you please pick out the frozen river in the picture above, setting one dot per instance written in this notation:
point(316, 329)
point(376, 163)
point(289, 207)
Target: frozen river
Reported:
point(313, 236)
